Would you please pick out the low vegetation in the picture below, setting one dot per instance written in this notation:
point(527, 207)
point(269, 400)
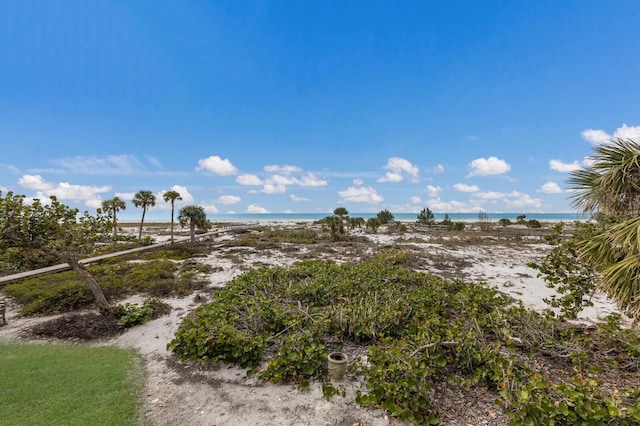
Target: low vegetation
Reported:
point(46, 384)
point(65, 292)
point(417, 331)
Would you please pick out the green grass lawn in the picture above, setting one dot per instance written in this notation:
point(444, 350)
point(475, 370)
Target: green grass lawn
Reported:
point(57, 384)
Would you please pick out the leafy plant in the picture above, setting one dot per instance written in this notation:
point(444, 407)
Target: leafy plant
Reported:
point(534, 223)
point(504, 222)
point(132, 314)
point(384, 217)
point(565, 272)
point(426, 217)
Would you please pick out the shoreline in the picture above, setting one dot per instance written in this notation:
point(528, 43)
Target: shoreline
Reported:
point(264, 219)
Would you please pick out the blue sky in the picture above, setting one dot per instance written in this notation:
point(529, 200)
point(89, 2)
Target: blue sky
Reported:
point(304, 106)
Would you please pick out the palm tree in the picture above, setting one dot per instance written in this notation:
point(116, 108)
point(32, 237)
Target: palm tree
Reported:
point(193, 216)
point(611, 184)
point(171, 196)
point(144, 199)
point(113, 206)
point(610, 188)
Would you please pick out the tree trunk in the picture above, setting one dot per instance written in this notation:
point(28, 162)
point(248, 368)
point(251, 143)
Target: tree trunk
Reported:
point(172, 222)
point(144, 210)
point(192, 229)
point(101, 300)
point(115, 230)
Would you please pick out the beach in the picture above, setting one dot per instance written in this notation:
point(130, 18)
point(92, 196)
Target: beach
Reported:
point(193, 394)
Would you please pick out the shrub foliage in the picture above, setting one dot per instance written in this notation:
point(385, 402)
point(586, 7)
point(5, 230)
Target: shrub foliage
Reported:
point(281, 323)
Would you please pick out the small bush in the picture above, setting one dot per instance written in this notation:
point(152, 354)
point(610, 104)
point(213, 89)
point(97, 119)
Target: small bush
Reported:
point(504, 222)
point(534, 223)
point(66, 292)
point(131, 314)
point(384, 217)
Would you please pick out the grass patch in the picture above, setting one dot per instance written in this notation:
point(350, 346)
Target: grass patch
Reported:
point(46, 384)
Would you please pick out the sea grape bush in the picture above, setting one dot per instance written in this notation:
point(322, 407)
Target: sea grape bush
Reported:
point(563, 270)
point(419, 331)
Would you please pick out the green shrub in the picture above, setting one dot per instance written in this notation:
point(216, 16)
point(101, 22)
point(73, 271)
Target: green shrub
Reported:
point(132, 314)
point(421, 332)
point(534, 223)
point(65, 292)
point(504, 222)
point(384, 217)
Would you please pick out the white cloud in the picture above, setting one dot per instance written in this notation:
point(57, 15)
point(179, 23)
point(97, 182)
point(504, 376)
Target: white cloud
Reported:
point(358, 182)
point(109, 165)
point(94, 204)
point(254, 208)
point(416, 200)
point(490, 195)
point(488, 166)
point(297, 199)
point(35, 183)
point(274, 189)
point(390, 177)
point(597, 137)
point(285, 169)
point(210, 208)
point(62, 190)
point(438, 169)
point(520, 200)
point(361, 195)
point(125, 195)
point(433, 191)
point(471, 138)
point(463, 187)
point(311, 180)
point(229, 199)
point(550, 188)
point(439, 206)
point(513, 199)
point(559, 166)
point(187, 198)
point(397, 166)
point(281, 180)
point(249, 180)
point(627, 132)
point(217, 165)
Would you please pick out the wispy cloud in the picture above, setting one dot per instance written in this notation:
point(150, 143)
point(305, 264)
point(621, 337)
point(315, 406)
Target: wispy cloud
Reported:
point(511, 200)
point(110, 165)
point(285, 169)
point(433, 191)
point(229, 199)
point(463, 187)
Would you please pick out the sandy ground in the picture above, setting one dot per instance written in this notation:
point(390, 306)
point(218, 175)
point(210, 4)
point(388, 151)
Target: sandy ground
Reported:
point(191, 394)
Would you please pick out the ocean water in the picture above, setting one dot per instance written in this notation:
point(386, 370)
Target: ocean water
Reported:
point(403, 217)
